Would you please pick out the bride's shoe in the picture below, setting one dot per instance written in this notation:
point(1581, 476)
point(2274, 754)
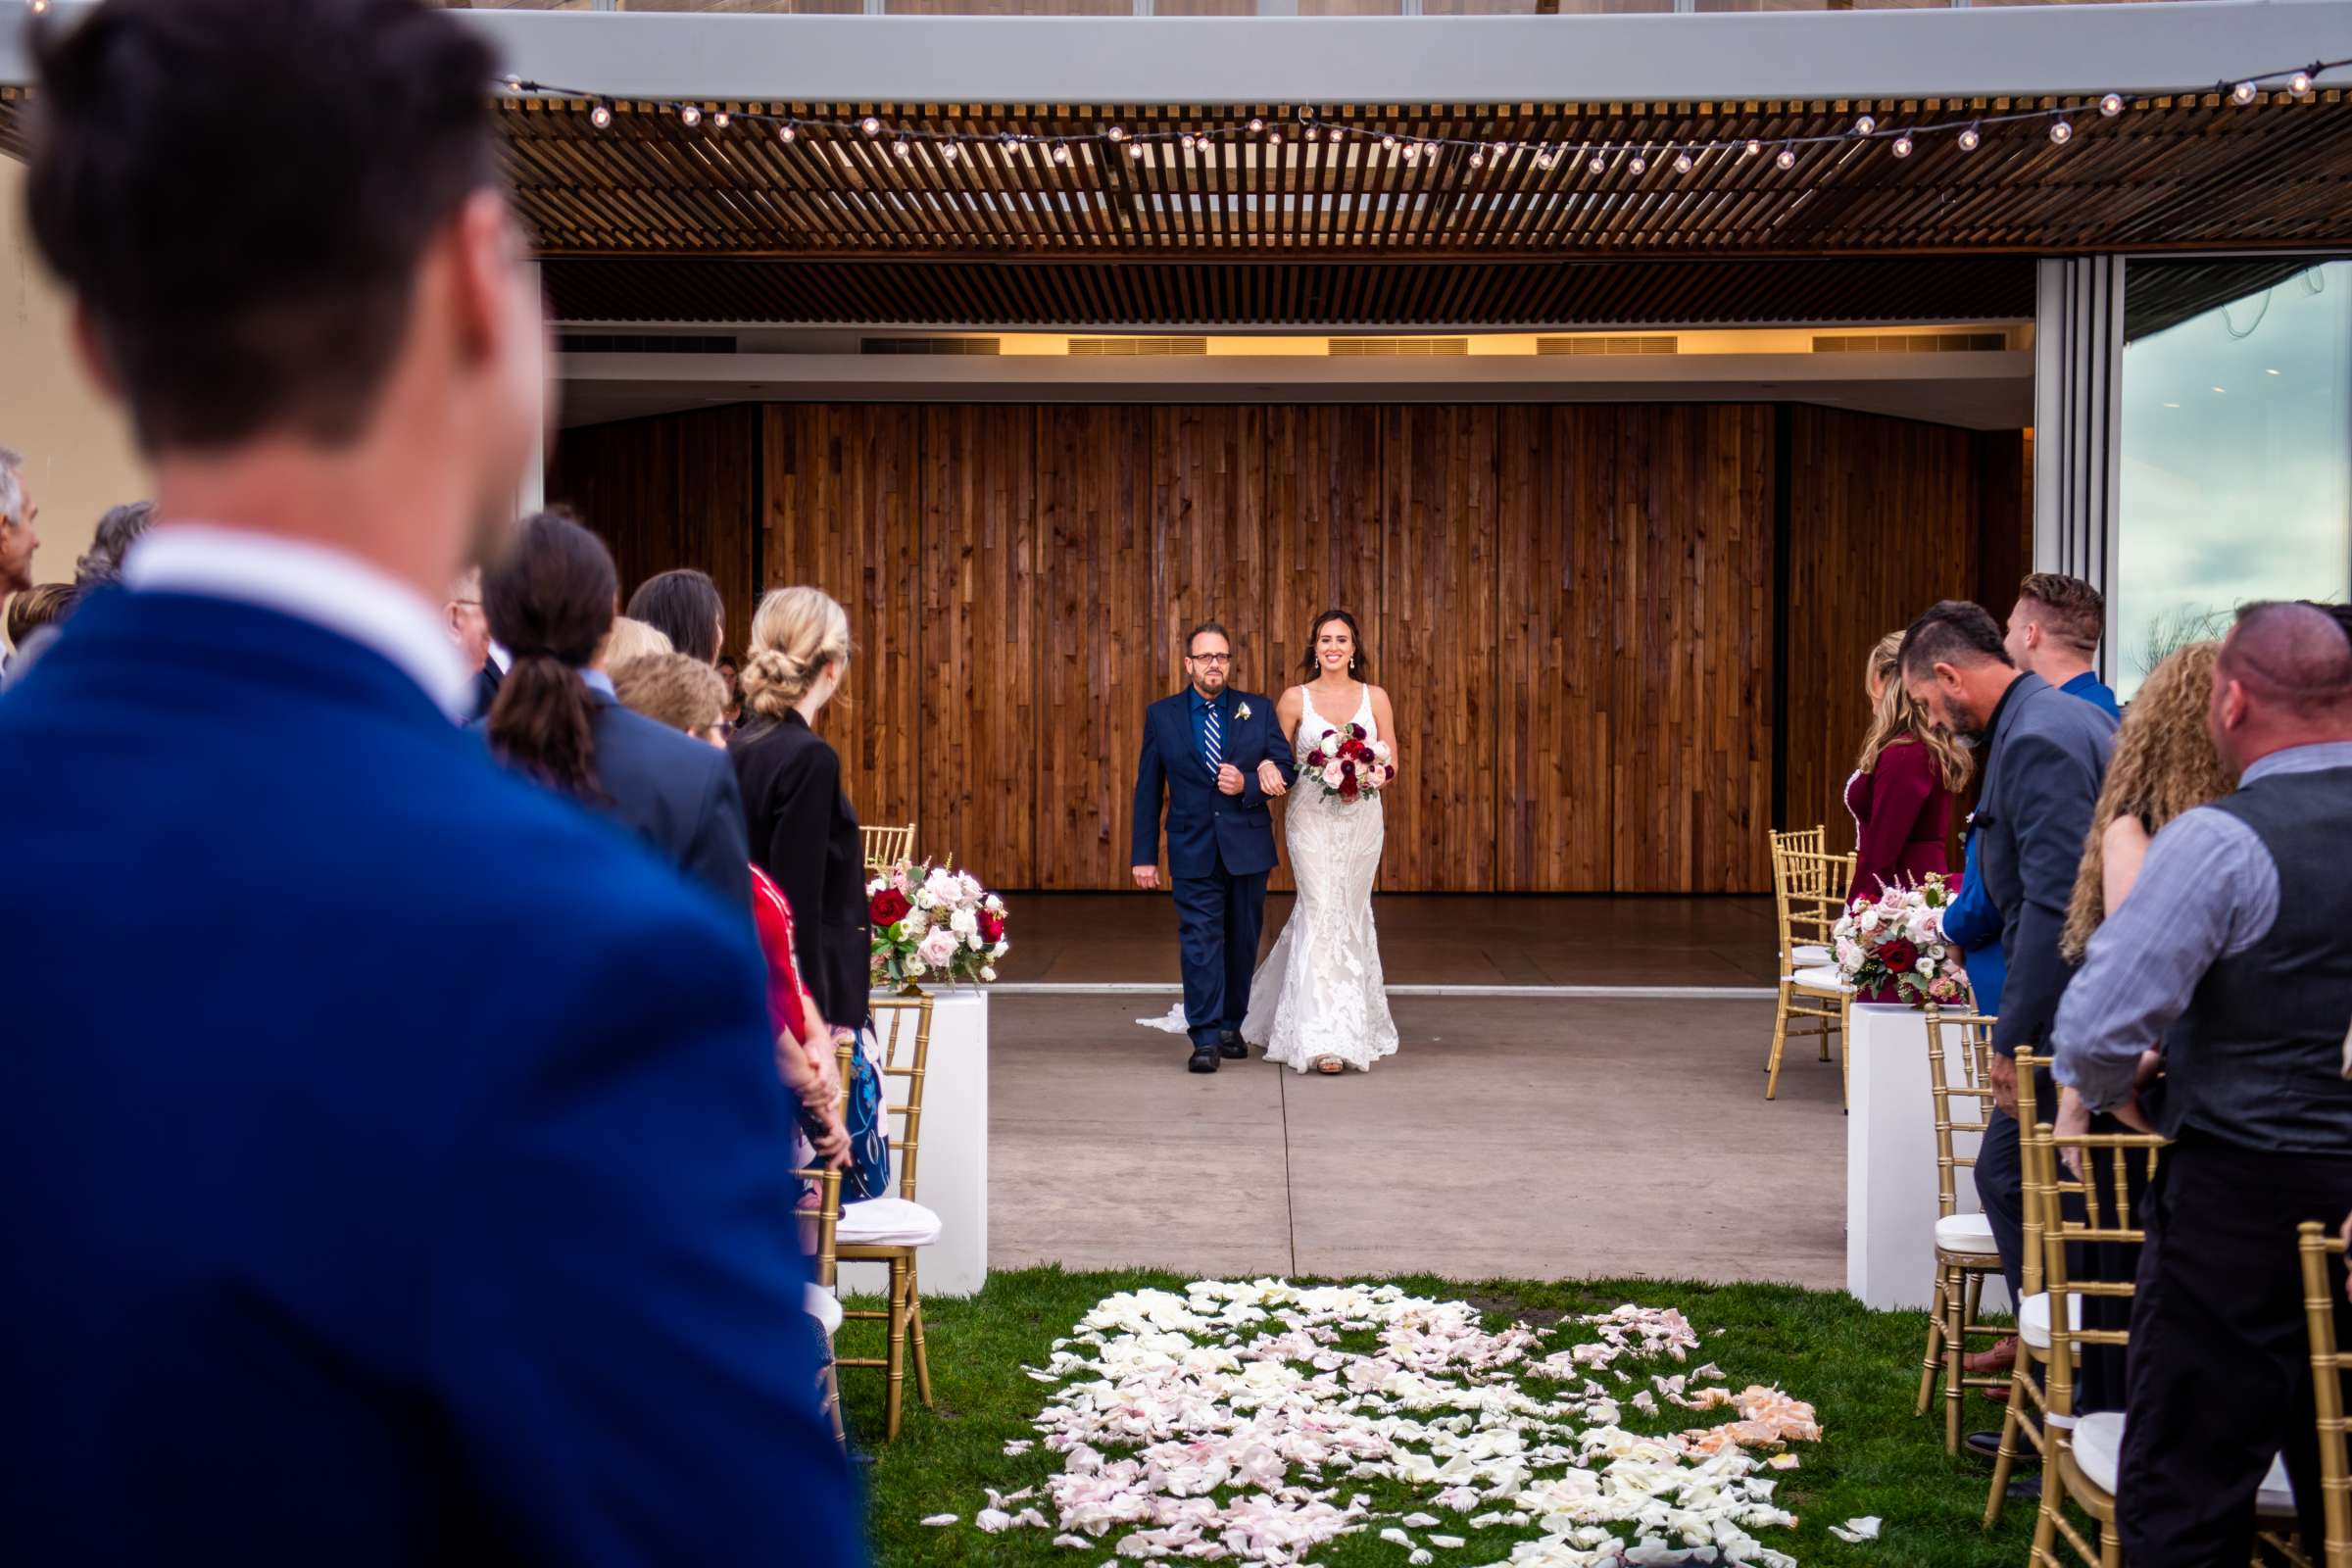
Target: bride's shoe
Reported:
point(1330, 1066)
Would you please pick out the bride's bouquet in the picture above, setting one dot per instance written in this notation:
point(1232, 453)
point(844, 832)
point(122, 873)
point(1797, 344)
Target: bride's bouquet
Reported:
point(1350, 765)
point(932, 923)
point(1895, 943)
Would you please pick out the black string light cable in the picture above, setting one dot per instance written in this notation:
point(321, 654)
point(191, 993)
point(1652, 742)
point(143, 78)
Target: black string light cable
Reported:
point(1409, 147)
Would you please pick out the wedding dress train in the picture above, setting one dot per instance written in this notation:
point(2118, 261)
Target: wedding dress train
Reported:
point(1320, 994)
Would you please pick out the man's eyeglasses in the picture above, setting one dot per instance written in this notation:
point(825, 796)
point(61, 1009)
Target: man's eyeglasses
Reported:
point(1211, 658)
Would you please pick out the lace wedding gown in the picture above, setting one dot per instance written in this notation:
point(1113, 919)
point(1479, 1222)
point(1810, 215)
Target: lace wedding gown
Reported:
point(1319, 993)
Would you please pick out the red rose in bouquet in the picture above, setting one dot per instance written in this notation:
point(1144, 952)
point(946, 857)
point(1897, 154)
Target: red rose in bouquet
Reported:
point(991, 928)
point(1898, 954)
point(890, 906)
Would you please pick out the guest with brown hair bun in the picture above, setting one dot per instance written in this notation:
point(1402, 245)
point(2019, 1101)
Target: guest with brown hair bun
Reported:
point(556, 717)
point(802, 829)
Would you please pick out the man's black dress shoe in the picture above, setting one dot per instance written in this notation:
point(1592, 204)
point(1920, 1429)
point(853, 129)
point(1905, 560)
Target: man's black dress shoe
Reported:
point(1205, 1058)
point(1988, 1445)
point(1229, 1047)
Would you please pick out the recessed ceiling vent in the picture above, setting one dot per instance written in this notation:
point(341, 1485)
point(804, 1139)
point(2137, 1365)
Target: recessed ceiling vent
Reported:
point(1138, 347)
point(929, 345)
point(1399, 348)
point(1581, 346)
point(642, 343)
point(1915, 343)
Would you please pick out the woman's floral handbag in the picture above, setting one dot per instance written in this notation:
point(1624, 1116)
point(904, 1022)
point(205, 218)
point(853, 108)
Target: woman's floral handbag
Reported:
point(867, 1118)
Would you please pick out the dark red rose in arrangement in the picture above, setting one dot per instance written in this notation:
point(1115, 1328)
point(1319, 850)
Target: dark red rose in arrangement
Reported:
point(1898, 954)
point(890, 906)
point(991, 926)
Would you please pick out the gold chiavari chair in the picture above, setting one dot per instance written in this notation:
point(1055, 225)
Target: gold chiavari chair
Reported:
point(2033, 1314)
point(2079, 1456)
point(820, 1227)
point(2328, 1368)
point(886, 847)
point(1960, 1080)
point(1809, 894)
point(893, 1230)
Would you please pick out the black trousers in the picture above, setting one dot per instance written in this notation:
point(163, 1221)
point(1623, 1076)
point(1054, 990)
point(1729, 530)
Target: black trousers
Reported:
point(2220, 1367)
point(1218, 918)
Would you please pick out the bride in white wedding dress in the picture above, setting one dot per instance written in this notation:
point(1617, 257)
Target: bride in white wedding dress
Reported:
point(1318, 1001)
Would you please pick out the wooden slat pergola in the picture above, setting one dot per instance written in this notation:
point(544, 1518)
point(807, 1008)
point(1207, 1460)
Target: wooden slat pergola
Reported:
point(652, 219)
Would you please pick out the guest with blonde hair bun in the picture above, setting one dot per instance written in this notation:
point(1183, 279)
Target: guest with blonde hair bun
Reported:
point(802, 829)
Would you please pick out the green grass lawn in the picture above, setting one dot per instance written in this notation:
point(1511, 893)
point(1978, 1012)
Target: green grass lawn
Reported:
point(1859, 1369)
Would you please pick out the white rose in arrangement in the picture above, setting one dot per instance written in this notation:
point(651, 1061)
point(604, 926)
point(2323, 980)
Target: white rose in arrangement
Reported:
point(1000, 949)
point(1849, 955)
point(922, 898)
point(942, 885)
point(916, 923)
point(936, 947)
point(993, 905)
point(970, 885)
point(973, 942)
point(913, 965)
point(875, 886)
point(1937, 952)
point(988, 972)
point(963, 923)
point(1868, 919)
point(1925, 966)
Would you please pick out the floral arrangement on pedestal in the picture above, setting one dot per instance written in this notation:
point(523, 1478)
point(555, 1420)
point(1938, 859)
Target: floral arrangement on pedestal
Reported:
point(932, 923)
point(1349, 763)
point(1894, 943)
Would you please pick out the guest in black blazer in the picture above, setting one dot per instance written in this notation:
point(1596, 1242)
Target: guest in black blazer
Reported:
point(802, 829)
point(556, 719)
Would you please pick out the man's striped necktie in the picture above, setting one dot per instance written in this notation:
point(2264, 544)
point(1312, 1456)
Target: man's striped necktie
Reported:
point(1215, 739)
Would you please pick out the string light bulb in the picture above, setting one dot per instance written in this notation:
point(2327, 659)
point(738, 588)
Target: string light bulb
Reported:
point(2242, 94)
point(1388, 144)
point(1115, 133)
point(870, 125)
point(2112, 105)
point(1866, 124)
point(1412, 152)
point(1543, 158)
point(1256, 124)
point(950, 152)
point(1751, 148)
point(1599, 165)
point(1314, 133)
point(601, 118)
point(1502, 149)
point(1902, 146)
point(1478, 160)
point(1273, 138)
point(1683, 164)
point(2299, 83)
point(2061, 132)
point(1639, 164)
point(1187, 141)
point(690, 117)
point(787, 134)
point(901, 148)
point(1134, 152)
point(1971, 139)
point(1062, 151)
point(723, 120)
point(1787, 157)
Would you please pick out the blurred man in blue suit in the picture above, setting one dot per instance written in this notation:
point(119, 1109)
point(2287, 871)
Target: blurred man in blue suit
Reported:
point(396, 1167)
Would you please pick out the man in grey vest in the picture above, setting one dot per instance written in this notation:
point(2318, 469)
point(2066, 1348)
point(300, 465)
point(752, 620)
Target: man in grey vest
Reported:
point(2234, 951)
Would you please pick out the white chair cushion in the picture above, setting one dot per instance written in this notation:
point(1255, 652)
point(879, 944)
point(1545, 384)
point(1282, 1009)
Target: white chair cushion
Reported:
point(824, 1307)
point(2099, 1449)
point(1808, 956)
point(2098, 1446)
point(1820, 977)
point(1965, 1232)
point(887, 1223)
point(2034, 1319)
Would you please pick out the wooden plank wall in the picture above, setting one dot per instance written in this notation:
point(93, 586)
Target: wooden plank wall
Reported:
point(1573, 607)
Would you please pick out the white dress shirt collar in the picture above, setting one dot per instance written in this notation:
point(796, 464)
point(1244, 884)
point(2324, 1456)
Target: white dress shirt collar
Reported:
point(310, 582)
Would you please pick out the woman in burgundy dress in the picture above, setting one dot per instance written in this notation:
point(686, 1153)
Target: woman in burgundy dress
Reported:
point(1901, 791)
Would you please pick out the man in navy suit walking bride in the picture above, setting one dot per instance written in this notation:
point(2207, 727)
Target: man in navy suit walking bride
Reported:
point(1215, 756)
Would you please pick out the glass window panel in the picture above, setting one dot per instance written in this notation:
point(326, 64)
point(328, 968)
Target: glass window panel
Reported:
point(2236, 455)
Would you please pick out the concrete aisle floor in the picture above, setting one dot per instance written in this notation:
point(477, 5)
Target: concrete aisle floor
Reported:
point(1511, 1137)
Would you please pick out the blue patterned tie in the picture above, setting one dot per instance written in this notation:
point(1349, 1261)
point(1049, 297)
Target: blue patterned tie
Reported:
point(1215, 738)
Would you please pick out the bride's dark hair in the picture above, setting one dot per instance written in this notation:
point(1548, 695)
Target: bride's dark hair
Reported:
point(1358, 666)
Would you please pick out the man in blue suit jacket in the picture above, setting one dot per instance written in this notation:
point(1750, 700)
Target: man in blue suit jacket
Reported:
point(2046, 755)
point(1201, 754)
point(397, 1168)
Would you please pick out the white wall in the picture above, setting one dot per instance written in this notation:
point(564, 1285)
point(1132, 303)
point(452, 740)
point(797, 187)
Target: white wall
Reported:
point(77, 453)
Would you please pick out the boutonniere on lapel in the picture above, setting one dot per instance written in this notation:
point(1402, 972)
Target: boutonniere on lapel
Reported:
point(1242, 712)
